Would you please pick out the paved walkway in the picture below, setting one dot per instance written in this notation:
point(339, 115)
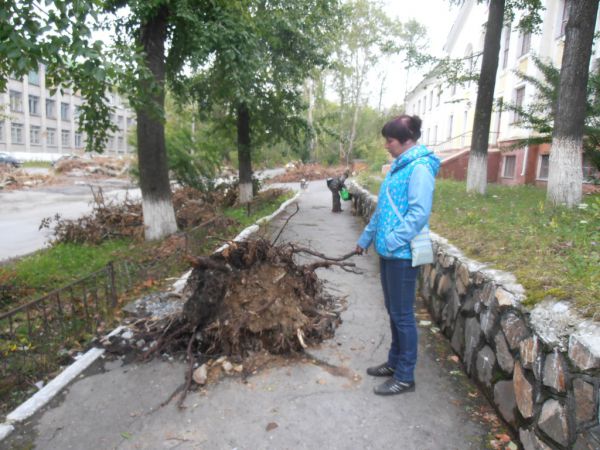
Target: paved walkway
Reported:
point(324, 401)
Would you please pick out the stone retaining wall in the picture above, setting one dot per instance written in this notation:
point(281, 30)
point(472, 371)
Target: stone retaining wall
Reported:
point(539, 367)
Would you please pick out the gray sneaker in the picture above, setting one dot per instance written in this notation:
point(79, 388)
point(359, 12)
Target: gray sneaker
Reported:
point(382, 370)
point(393, 387)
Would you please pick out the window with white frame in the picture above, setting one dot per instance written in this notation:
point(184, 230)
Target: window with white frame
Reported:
point(16, 133)
point(51, 137)
point(78, 140)
point(450, 123)
point(34, 135)
point(65, 136)
point(430, 100)
point(76, 111)
point(506, 47)
point(418, 107)
point(543, 167)
point(439, 98)
point(1, 130)
point(564, 18)
point(121, 143)
point(16, 101)
point(64, 111)
point(524, 43)
point(34, 105)
point(34, 77)
point(519, 102)
point(50, 109)
point(510, 164)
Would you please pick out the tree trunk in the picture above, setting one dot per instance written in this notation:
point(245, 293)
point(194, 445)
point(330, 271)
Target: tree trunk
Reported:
point(565, 172)
point(312, 137)
point(477, 170)
point(157, 205)
point(244, 156)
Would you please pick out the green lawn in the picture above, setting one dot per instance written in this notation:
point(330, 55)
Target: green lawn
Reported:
point(553, 252)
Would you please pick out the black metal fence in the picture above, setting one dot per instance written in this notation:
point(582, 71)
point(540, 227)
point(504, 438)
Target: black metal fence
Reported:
point(36, 337)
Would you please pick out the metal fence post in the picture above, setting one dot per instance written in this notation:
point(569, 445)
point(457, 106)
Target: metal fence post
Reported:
point(113, 286)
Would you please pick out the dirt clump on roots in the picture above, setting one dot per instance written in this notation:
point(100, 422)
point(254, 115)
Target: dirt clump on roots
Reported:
point(252, 298)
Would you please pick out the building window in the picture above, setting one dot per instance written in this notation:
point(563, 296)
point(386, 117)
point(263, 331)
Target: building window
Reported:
point(453, 89)
point(589, 169)
point(524, 44)
point(16, 101)
point(1, 130)
point(450, 122)
point(121, 121)
point(543, 166)
point(121, 143)
point(506, 47)
point(65, 136)
point(111, 143)
point(76, 111)
point(430, 100)
point(439, 98)
point(16, 133)
point(510, 162)
point(564, 18)
point(130, 121)
point(51, 137)
point(463, 139)
point(500, 106)
point(418, 107)
point(64, 111)
point(50, 109)
point(34, 77)
point(424, 105)
point(34, 105)
point(519, 100)
point(78, 143)
point(435, 135)
point(34, 135)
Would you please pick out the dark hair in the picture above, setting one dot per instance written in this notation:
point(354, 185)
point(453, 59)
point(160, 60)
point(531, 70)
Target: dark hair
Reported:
point(403, 128)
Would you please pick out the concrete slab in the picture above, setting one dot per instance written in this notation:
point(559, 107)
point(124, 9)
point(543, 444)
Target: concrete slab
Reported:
point(323, 400)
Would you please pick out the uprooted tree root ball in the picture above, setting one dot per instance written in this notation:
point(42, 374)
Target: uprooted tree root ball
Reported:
point(250, 298)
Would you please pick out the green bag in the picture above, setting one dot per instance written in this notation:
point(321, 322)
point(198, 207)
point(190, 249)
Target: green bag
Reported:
point(345, 194)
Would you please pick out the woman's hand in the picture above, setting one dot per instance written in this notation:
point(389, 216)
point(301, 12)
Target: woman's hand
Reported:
point(359, 250)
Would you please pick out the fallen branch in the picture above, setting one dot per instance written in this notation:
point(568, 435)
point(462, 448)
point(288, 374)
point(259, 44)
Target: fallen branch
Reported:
point(285, 224)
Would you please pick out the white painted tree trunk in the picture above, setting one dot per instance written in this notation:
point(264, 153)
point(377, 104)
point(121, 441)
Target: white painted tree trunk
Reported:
point(477, 173)
point(245, 193)
point(565, 173)
point(159, 219)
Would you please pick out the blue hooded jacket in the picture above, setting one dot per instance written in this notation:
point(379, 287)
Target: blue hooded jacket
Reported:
point(410, 184)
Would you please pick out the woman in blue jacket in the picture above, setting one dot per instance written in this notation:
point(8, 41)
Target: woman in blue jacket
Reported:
point(403, 209)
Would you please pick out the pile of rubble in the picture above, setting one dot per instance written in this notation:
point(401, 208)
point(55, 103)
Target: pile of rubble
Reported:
point(99, 166)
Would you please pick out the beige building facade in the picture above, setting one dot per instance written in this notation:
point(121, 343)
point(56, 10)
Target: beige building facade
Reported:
point(448, 111)
point(38, 125)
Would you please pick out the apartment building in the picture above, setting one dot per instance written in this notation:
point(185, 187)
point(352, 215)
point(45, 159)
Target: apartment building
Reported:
point(448, 110)
point(35, 125)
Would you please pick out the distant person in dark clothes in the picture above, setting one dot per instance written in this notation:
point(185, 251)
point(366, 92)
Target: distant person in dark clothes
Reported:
point(335, 185)
point(403, 210)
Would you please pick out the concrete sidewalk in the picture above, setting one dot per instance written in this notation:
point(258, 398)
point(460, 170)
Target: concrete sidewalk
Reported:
point(323, 401)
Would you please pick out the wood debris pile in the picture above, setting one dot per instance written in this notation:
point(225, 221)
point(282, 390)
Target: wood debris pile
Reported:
point(107, 220)
point(11, 179)
point(251, 298)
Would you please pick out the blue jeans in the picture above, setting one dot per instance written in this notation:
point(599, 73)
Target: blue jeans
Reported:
point(398, 280)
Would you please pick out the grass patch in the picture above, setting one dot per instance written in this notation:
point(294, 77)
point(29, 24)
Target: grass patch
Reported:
point(37, 164)
point(553, 252)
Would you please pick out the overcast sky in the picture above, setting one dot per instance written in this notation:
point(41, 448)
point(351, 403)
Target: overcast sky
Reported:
point(437, 16)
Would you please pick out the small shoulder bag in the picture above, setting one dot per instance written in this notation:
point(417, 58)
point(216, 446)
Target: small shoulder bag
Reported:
point(421, 247)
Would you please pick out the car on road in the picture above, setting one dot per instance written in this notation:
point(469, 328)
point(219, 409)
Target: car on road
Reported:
point(9, 160)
